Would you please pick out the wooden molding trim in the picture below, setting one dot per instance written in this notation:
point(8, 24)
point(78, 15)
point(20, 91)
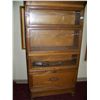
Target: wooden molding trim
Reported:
point(22, 22)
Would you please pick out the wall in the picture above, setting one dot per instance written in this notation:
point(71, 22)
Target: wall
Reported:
point(19, 61)
point(83, 64)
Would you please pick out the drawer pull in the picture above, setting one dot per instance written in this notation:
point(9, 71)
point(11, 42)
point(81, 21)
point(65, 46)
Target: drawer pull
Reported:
point(53, 79)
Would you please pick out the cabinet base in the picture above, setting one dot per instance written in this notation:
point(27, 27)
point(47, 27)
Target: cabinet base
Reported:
point(52, 92)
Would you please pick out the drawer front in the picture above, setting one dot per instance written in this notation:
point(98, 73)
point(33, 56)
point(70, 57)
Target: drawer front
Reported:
point(52, 40)
point(52, 17)
point(53, 61)
point(53, 80)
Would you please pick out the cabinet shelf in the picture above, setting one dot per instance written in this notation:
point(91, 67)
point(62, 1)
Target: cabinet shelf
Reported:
point(56, 48)
point(53, 27)
point(53, 53)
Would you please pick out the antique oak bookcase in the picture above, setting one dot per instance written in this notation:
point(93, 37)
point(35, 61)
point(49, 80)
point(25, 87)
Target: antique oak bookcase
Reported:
point(53, 35)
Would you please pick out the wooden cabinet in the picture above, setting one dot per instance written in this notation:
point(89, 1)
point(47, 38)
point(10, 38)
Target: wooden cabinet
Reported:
point(53, 42)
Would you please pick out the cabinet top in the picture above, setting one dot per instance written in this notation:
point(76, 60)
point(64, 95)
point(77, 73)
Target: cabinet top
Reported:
point(56, 3)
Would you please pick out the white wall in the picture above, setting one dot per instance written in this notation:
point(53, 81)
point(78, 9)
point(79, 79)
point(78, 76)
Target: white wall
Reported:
point(19, 61)
point(19, 57)
point(83, 64)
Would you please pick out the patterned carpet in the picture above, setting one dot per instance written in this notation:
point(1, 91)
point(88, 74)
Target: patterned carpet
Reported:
point(21, 92)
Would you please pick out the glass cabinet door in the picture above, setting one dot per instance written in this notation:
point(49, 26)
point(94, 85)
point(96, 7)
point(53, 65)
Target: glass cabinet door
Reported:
point(53, 17)
point(54, 61)
point(53, 40)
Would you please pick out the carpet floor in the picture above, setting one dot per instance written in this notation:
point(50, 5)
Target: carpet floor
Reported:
point(21, 92)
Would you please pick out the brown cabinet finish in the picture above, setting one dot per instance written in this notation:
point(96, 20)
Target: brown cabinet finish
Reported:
point(53, 42)
point(53, 79)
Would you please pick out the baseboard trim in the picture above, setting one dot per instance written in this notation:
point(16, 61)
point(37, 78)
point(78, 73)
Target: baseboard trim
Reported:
point(21, 81)
point(81, 79)
point(25, 81)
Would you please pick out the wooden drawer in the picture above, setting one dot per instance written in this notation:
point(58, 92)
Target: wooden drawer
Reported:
point(35, 17)
point(50, 80)
point(52, 40)
point(53, 61)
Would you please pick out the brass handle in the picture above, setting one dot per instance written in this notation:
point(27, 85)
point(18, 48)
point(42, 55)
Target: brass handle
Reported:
point(53, 79)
